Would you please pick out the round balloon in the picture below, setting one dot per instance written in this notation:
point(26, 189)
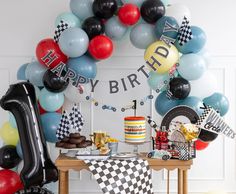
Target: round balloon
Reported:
point(19, 150)
point(100, 47)
point(195, 44)
point(93, 27)
point(104, 8)
point(129, 14)
point(82, 8)
point(209, 81)
point(193, 102)
point(200, 145)
point(179, 88)
point(49, 54)
point(42, 111)
point(50, 101)
point(142, 35)
point(69, 18)
point(84, 66)
point(114, 29)
point(53, 83)
point(160, 57)
point(50, 122)
point(9, 134)
point(191, 66)
point(219, 102)
point(158, 82)
point(10, 182)
point(206, 56)
point(74, 42)
point(21, 72)
point(152, 10)
point(164, 104)
point(34, 73)
point(12, 120)
point(135, 2)
point(207, 136)
point(9, 157)
point(178, 11)
point(167, 26)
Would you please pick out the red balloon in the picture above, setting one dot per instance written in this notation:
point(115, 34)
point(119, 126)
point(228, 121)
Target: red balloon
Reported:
point(129, 14)
point(49, 47)
point(200, 145)
point(42, 111)
point(100, 47)
point(9, 182)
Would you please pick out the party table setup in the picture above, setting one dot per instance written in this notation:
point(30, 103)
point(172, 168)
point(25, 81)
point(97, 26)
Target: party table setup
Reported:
point(65, 69)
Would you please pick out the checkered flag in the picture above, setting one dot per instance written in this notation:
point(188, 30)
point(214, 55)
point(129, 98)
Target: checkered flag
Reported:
point(122, 176)
point(64, 127)
point(185, 32)
point(62, 26)
point(183, 152)
point(76, 118)
point(151, 123)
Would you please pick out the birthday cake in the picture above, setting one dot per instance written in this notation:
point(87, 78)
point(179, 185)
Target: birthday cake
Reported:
point(135, 130)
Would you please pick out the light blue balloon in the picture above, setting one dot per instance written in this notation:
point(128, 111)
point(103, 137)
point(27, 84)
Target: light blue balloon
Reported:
point(115, 29)
point(21, 72)
point(165, 2)
point(219, 102)
point(195, 44)
point(50, 101)
point(19, 150)
point(50, 123)
point(12, 120)
point(71, 19)
point(158, 81)
point(74, 42)
point(191, 66)
point(142, 35)
point(164, 104)
point(167, 26)
point(37, 92)
point(82, 8)
point(136, 2)
point(193, 102)
point(84, 66)
point(35, 72)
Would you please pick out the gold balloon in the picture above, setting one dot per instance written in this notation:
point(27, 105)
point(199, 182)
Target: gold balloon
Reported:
point(160, 57)
point(9, 134)
point(190, 131)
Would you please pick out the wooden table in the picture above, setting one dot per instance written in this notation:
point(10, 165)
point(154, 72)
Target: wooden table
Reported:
point(64, 164)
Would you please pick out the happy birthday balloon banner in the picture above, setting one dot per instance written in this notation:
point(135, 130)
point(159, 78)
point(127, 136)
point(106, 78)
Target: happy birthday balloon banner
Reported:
point(213, 122)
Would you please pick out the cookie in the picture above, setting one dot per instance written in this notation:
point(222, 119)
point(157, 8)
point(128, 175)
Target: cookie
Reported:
point(77, 140)
point(69, 146)
point(65, 139)
point(60, 144)
point(75, 135)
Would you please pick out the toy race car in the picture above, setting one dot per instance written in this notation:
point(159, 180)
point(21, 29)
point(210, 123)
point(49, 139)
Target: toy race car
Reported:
point(159, 154)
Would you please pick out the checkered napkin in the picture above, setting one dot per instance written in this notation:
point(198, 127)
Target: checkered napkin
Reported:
point(76, 118)
point(122, 176)
point(183, 152)
point(62, 26)
point(64, 126)
point(185, 32)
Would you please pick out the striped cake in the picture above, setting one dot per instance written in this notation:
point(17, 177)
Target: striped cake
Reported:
point(135, 130)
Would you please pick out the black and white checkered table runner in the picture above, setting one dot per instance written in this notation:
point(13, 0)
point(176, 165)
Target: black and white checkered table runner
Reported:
point(185, 32)
point(122, 176)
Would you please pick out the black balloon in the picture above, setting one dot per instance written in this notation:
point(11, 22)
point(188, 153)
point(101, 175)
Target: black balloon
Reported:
point(38, 169)
point(104, 8)
point(54, 83)
point(207, 136)
point(93, 27)
point(179, 88)
point(34, 190)
point(9, 157)
point(152, 10)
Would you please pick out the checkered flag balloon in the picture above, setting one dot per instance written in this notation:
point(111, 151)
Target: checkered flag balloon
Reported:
point(64, 127)
point(185, 32)
point(62, 26)
point(122, 176)
point(76, 118)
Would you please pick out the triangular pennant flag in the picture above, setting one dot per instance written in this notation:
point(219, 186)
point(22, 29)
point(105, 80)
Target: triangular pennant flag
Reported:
point(185, 32)
point(64, 127)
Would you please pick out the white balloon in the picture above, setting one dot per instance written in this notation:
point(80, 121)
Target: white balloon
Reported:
point(178, 11)
point(205, 86)
point(73, 93)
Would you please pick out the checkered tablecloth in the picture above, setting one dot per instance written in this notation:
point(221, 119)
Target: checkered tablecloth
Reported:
point(122, 176)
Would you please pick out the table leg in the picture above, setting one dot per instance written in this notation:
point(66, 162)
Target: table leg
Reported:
point(63, 182)
point(180, 181)
point(185, 182)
